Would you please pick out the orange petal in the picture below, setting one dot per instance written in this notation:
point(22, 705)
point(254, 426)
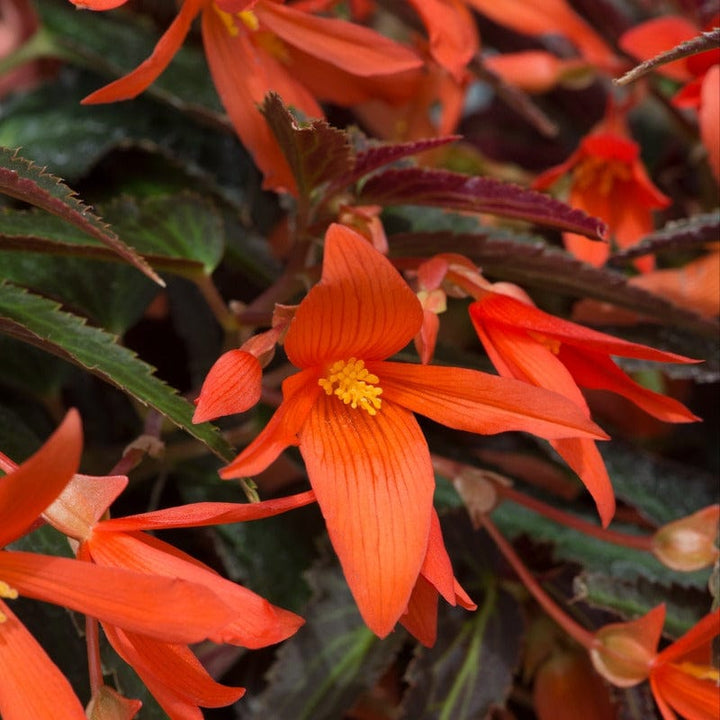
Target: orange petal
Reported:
point(233, 385)
point(169, 609)
point(28, 490)
point(256, 623)
point(300, 392)
point(709, 117)
point(374, 483)
point(478, 402)
point(420, 618)
point(145, 74)
point(689, 696)
point(598, 372)
point(361, 308)
point(33, 687)
point(354, 48)
point(698, 636)
point(172, 673)
point(206, 513)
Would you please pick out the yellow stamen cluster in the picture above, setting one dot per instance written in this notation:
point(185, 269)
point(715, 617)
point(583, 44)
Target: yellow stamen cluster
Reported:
point(351, 381)
point(600, 174)
point(247, 17)
point(701, 672)
point(6, 592)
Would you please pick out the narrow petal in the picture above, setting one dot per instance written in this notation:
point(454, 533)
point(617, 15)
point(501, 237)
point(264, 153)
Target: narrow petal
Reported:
point(374, 483)
point(206, 513)
point(351, 47)
point(699, 635)
point(689, 696)
point(420, 618)
point(145, 74)
point(583, 457)
point(28, 490)
point(598, 372)
point(300, 393)
point(173, 675)
point(256, 623)
point(233, 385)
point(361, 308)
point(709, 117)
point(481, 403)
point(158, 606)
point(32, 686)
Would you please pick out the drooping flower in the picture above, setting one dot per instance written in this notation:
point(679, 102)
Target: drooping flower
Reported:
point(158, 606)
point(257, 46)
point(609, 181)
point(170, 670)
point(350, 411)
point(526, 343)
point(682, 678)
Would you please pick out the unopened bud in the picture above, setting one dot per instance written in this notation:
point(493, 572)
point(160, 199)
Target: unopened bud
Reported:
point(689, 543)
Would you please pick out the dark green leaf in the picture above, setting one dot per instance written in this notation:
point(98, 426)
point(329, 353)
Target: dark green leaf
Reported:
point(40, 322)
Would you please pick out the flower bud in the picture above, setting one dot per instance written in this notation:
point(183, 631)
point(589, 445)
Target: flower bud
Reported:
point(689, 543)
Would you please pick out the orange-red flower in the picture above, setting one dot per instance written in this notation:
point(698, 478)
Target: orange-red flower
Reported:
point(609, 181)
point(350, 411)
point(160, 607)
point(526, 343)
point(169, 669)
point(257, 46)
point(682, 678)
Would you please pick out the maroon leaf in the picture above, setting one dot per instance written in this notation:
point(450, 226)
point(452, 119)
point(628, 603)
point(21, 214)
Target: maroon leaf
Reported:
point(23, 180)
point(315, 151)
point(443, 188)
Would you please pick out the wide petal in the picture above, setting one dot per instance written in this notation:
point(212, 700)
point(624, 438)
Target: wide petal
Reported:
point(206, 513)
point(351, 47)
point(233, 385)
point(173, 675)
point(145, 74)
point(166, 608)
point(26, 491)
point(689, 696)
point(361, 307)
point(255, 624)
point(477, 402)
point(32, 685)
point(512, 313)
point(300, 392)
point(598, 372)
point(374, 483)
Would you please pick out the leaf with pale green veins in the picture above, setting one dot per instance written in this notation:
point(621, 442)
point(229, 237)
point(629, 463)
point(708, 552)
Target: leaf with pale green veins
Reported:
point(40, 322)
point(23, 180)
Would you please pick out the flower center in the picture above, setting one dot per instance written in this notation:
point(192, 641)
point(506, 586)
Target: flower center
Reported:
point(6, 592)
point(600, 174)
point(702, 672)
point(351, 381)
point(247, 17)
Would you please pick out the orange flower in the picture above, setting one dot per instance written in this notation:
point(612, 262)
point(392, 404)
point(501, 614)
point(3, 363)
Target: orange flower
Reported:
point(682, 678)
point(700, 73)
point(158, 606)
point(526, 343)
point(169, 669)
point(351, 413)
point(609, 181)
point(275, 47)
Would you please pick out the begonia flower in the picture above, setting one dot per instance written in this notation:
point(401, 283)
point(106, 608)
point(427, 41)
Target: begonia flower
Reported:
point(350, 411)
point(608, 180)
point(528, 344)
point(682, 678)
point(257, 46)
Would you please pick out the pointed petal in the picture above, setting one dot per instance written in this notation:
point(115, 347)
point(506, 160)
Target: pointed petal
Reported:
point(507, 311)
point(300, 392)
point(28, 490)
point(145, 74)
point(351, 47)
point(599, 372)
point(256, 623)
point(33, 686)
point(361, 308)
point(206, 513)
point(170, 609)
point(172, 673)
point(481, 403)
point(699, 635)
point(420, 618)
point(374, 484)
point(233, 385)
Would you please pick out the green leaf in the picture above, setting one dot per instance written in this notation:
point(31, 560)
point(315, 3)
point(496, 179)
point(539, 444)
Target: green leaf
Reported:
point(23, 180)
point(40, 322)
point(322, 669)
